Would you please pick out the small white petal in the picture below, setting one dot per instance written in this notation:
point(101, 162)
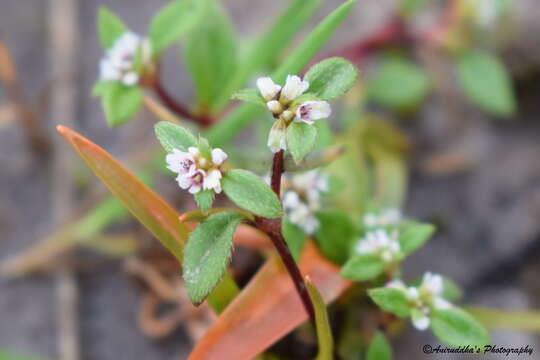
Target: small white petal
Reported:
point(412, 293)
point(212, 181)
point(274, 107)
point(130, 79)
point(291, 199)
point(194, 151)
point(179, 161)
point(441, 304)
point(195, 188)
point(218, 156)
point(268, 89)
point(433, 283)
point(277, 139)
point(294, 87)
point(310, 111)
point(311, 225)
point(421, 322)
point(183, 181)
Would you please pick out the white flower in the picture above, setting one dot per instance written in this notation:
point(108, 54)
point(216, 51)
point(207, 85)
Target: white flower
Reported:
point(294, 87)
point(391, 216)
point(277, 139)
point(268, 89)
point(423, 298)
point(381, 243)
point(180, 162)
point(196, 172)
point(117, 64)
point(301, 199)
point(310, 111)
point(299, 213)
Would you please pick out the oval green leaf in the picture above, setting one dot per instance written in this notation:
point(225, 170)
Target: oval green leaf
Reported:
point(391, 300)
point(172, 136)
point(331, 78)
point(455, 327)
point(208, 253)
point(301, 139)
point(486, 83)
point(251, 193)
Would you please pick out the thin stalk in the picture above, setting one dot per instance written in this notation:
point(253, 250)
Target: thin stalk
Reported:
point(272, 227)
point(178, 108)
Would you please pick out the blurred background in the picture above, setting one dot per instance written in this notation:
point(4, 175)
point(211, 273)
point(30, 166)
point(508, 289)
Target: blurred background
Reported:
point(475, 175)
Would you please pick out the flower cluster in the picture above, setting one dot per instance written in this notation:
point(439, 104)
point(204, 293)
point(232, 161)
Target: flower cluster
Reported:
point(423, 298)
point(196, 171)
point(382, 243)
point(302, 199)
point(386, 217)
point(281, 103)
point(119, 62)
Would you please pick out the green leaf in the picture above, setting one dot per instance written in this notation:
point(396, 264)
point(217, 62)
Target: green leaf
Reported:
point(204, 200)
point(174, 20)
point(414, 235)
point(172, 136)
point(486, 82)
point(331, 78)
point(208, 253)
point(451, 291)
point(379, 348)
point(391, 300)
point(398, 84)
point(335, 235)
point(110, 27)
point(363, 267)
point(121, 103)
point(325, 341)
point(268, 47)
point(102, 87)
point(456, 327)
point(229, 126)
point(251, 193)
point(210, 54)
point(249, 95)
point(301, 139)
point(294, 237)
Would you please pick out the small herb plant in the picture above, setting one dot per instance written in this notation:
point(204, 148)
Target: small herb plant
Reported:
point(329, 201)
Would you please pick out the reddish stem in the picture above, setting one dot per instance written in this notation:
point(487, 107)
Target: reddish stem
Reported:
point(277, 171)
point(177, 108)
point(272, 227)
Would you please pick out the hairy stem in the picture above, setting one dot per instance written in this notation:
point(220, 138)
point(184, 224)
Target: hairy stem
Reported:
point(272, 227)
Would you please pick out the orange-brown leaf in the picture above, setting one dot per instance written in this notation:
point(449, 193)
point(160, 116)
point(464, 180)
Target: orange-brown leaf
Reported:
point(148, 207)
point(267, 309)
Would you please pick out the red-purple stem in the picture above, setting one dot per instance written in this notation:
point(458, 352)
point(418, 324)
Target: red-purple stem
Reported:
point(272, 227)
